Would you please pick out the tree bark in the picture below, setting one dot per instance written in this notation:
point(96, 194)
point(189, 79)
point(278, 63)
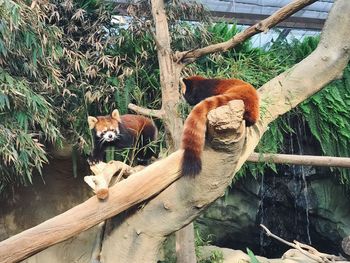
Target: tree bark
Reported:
point(169, 75)
point(185, 245)
point(169, 80)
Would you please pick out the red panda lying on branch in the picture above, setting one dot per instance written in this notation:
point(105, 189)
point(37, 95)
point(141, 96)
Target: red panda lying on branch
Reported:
point(208, 94)
point(125, 131)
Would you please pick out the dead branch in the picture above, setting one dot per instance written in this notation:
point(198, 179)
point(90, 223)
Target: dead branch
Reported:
point(103, 173)
point(283, 13)
point(306, 250)
point(309, 160)
point(146, 112)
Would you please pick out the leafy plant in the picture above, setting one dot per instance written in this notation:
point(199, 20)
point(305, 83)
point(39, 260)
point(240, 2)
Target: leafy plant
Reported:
point(252, 257)
point(216, 256)
point(61, 61)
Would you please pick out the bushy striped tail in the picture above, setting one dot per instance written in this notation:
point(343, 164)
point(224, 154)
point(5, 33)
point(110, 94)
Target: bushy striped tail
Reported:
point(193, 137)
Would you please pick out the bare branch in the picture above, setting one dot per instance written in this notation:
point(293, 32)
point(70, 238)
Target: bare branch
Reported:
point(103, 173)
point(146, 112)
point(306, 250)
point(310, 160)
point(283, 13)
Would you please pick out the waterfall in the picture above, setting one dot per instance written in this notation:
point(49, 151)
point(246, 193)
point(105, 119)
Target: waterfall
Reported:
point(301, 134)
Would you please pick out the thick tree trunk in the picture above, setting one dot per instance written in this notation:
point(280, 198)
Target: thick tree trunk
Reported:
point(169, 80)
point(185, 245)
point(169, 76)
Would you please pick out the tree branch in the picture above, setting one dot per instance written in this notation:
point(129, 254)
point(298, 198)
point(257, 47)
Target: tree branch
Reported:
point(283, 13)
point(295, 85)
point(306, 250)
point(103, 174)
point(146, 112)
point(131, 191)
point(310, 160)
point(144, 185)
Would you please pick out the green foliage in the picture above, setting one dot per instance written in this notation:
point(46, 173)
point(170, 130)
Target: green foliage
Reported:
point(216, 256)
point(253, 65)
point(252, 257)
point(61, 61)
point(27, 51)
point(328, 116)
point(50, 57)
point(326, 113)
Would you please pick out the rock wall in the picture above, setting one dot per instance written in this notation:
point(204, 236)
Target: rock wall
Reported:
point(315, 210)
point(51, 195)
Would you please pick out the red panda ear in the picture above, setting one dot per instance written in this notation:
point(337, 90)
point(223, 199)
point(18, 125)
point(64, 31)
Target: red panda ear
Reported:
point(115, 115)
point(92, 122)
point(183, 85)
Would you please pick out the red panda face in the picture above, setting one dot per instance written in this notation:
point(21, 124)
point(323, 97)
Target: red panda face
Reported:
point(106, 127)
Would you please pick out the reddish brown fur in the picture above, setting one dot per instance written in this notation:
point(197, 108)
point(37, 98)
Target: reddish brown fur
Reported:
point(133, 130)
point(208, 94)
point(134, 123)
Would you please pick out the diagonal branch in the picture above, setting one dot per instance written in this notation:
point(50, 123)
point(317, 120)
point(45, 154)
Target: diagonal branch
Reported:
point(306, 250)
point(283, 13)
point(144, 185)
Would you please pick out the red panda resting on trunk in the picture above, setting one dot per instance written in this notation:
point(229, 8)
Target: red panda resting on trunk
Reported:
point(208, 94)
point(125, 131)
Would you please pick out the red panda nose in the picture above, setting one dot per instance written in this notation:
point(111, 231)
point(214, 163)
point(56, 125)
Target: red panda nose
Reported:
point(110, 136)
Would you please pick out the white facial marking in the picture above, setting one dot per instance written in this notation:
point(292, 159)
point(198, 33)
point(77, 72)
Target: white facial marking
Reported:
point(98, 134)
point(109, 136)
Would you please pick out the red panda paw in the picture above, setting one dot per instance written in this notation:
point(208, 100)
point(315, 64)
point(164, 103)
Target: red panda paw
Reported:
point(191, 163)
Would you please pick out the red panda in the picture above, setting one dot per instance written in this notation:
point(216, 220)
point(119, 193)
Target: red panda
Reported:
point(122, 131)
point(206, 95)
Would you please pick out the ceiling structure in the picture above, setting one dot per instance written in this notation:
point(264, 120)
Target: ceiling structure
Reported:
point(249, 12)
point(307, 22)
